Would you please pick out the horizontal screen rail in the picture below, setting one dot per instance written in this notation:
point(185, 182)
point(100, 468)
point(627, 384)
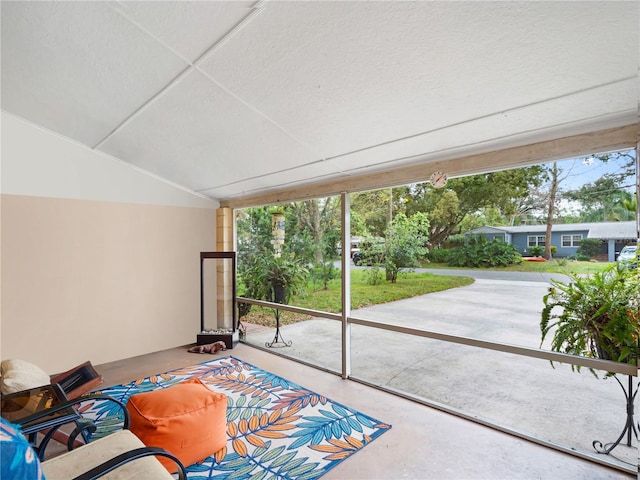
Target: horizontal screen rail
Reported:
point(595, 363)
point(289, 308)
point(606, 365)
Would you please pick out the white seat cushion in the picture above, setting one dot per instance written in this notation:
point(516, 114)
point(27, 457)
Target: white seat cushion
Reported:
point(78, 461)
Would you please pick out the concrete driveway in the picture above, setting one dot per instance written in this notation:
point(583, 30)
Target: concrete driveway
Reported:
point(525, 394)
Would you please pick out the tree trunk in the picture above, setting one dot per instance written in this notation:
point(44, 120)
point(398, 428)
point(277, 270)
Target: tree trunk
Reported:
point(550, 210)
point(316, 229)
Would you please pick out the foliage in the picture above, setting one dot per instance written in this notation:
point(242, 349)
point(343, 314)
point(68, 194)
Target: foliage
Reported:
point(372, 207)
point(374, 275)
point(607, 198)
point(595, 315)
point(324, 273)
point(275, 279)
point(589, 247)
point(456, 240)
point(497, 194)
point(363, 294)
point(602, 200)
point(536, 250)
point(405, 241)
point(439, 255)
point(308, 224)
point(558, 265)
point(478, 252)
point(253, 230)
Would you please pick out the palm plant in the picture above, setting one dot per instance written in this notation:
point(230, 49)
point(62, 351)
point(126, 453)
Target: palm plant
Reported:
point(595, 316)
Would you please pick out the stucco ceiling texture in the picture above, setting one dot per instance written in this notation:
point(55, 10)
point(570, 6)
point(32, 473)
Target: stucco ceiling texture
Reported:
point(236, 98)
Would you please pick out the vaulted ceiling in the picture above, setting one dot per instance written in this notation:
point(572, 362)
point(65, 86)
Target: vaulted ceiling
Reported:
point(236, 98)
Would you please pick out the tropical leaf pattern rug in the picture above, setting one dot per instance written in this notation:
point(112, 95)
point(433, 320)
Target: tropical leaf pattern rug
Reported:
point(275, 428)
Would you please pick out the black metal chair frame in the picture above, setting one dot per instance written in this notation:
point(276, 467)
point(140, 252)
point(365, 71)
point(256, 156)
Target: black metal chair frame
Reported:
point(87, 425)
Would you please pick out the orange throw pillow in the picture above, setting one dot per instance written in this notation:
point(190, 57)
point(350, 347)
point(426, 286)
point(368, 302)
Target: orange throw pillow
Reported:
point(187, 419)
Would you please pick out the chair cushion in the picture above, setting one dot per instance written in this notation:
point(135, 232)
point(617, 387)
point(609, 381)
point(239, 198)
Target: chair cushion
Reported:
point(78, 461)
point(186, 419)
point(17, 375)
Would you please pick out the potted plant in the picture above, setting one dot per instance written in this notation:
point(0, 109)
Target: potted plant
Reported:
point(277, 278)
point(595, 315)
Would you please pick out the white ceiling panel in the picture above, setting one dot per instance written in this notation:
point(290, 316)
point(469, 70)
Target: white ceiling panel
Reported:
point(580, 113)
point(234, 98)
point(189, 28)
point(78, 68)
point(198, 135)
point(360, 74)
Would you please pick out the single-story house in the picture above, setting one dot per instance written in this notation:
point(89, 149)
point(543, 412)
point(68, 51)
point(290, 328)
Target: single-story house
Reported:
point(565, 237)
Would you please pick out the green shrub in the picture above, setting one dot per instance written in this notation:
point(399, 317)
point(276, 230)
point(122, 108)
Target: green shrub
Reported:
point(373, 275)
point(477, 252)
point(323, 273)
point(589, 248)
point(439, 255)
point(536, 250)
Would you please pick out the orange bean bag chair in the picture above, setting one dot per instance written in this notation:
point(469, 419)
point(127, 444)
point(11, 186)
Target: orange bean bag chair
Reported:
point(187, 419)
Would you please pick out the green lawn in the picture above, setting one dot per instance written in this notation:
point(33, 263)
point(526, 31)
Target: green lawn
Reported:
point(362, 294)
point(408, 285)
point(554, 266)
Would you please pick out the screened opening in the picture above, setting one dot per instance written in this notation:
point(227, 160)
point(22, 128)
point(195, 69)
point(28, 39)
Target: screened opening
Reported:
point(446, 288)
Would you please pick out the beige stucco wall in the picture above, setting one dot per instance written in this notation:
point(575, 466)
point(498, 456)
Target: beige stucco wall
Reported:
point(87, 273)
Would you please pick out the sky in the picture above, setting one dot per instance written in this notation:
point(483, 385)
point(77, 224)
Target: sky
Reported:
point(577, 172)
point(583, 170)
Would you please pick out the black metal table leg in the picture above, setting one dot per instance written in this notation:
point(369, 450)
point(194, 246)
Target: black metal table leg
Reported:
point(629, 427)
point(278, 339)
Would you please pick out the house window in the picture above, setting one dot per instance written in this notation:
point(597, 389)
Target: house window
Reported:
point(571, 240)
point(534, 240)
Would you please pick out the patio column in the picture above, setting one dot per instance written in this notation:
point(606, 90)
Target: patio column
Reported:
point(611, 250)
point(224, 277)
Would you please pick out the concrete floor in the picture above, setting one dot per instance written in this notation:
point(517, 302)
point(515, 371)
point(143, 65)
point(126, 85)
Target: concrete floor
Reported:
point(423, 443)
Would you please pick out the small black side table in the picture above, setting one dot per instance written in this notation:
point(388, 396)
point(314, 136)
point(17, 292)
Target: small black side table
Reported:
point(19, 407)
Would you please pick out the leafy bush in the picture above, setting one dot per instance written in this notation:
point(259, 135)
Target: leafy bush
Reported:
point(374, 275)
point(323, 273)
point(478, 252)
point(439, 255)
point(589, 248)
point(536, 250)
point(404, 244)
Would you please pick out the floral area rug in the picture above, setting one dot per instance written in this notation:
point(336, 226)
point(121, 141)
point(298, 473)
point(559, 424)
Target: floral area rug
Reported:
point(275, 428)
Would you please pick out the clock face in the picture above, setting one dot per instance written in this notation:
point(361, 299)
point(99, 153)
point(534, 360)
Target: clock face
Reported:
point(438, 179)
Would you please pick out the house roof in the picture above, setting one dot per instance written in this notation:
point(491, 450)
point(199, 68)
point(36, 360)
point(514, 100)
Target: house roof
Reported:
point(234, 98)
point(602, 230)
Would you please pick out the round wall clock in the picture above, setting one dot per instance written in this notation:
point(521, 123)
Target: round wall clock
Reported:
point(438, 179)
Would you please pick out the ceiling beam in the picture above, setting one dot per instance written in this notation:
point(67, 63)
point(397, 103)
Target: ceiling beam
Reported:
point(562, 148)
